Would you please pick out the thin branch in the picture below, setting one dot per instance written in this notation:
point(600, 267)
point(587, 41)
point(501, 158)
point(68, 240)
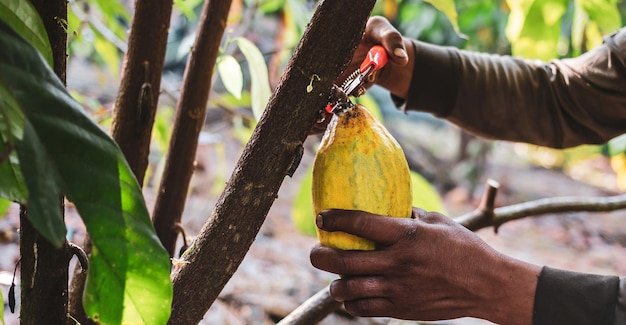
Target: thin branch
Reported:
point(313, 310)
point(482, 218)
point(80, 254)
point(322, 304)
point(190, 113)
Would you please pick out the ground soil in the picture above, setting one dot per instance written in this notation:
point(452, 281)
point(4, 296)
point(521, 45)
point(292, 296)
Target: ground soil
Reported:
point(276, 275)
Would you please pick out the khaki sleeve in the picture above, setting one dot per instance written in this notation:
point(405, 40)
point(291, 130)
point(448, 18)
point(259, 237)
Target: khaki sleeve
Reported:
point(559, 104)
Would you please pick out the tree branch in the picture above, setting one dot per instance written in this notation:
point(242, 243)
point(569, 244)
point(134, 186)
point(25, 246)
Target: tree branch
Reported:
point(325, 49)
point(135, 105)
point(322, 304)
point(313, 310)
point(190, 113)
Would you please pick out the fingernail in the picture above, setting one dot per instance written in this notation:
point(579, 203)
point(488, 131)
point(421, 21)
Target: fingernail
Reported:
point(400, 52)
point(319, 221)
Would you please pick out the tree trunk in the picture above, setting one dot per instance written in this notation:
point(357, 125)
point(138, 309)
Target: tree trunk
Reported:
point(43, 267)
point(135, 106)
point(136, 101)
point(273, 150)
point(190, 113)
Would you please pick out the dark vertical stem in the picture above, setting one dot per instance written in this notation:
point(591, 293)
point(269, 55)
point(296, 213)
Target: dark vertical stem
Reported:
point(136, 101)
point(43, 267)
point(43, 277)
point(190, 113)
point(325, 49)
point(135, 106)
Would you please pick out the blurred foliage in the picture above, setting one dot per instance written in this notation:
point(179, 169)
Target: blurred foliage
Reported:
point(5, 204)
point(267, 31)
point(262, 34)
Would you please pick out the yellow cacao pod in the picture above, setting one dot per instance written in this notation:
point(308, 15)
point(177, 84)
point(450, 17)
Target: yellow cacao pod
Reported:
point(359, 166)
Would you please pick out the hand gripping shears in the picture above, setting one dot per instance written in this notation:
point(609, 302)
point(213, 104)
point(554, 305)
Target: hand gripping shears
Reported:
point(354, 85)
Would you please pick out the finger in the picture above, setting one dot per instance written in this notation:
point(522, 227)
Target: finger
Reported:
point(430, 217)
point(381, 229)
point(380, 31)
point(321, 124)
point(369, 307)
point(349, 262)
point(358, 287)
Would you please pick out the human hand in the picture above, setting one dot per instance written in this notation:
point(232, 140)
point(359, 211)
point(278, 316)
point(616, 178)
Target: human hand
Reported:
point(396, 75)
point(427, 268)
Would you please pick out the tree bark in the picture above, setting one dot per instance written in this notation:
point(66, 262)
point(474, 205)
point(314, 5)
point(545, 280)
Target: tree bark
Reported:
point(190, 110)
point(43, 267)
point(135, 107)
point(43, 277)
point(273, 150)
point(136, 101)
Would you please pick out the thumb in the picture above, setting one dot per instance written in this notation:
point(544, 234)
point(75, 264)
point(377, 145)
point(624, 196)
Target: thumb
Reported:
point(380, 229)
point(380, 31)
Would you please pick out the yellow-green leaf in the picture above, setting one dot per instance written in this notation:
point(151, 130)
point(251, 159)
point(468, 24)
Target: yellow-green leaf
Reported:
point(259, 84)
point(534, 27)
point(230, 74)
point(424, 194)
point(448, 8)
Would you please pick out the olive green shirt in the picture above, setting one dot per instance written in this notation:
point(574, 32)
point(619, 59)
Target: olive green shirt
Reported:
point(559, 104)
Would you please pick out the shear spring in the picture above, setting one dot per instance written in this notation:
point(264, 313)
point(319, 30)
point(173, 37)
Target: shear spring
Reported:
point(350, 78)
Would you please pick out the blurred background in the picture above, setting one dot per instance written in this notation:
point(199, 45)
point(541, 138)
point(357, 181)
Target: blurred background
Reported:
point(450, 167)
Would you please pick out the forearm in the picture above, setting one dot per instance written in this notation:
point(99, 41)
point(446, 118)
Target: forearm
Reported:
point(512, 293)
point(561, 104)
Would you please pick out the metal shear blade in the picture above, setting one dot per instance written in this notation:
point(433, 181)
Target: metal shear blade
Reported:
point(354, 85)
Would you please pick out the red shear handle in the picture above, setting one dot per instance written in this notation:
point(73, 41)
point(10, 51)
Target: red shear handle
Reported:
point(376, 58)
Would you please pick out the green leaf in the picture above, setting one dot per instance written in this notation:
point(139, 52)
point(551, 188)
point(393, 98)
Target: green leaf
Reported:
point(302, 208)
point(617, 145)
point(259, 84)
point(231, 75)
point(270, 6)
point(580, 20)
point(64, 153)
point(605, 13)
point(370, 102)
point(45, 185)
point(24, 19)
point(593, 19)
point(187, 7)
point(448, 8)
point(4, 207)
point(2, 311)
point(13, 186)
point(534, 27)
point(109, 54)
point(424, 194)
point(112, 10)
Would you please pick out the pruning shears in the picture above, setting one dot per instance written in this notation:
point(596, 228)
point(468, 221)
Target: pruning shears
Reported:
point(354, 85)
